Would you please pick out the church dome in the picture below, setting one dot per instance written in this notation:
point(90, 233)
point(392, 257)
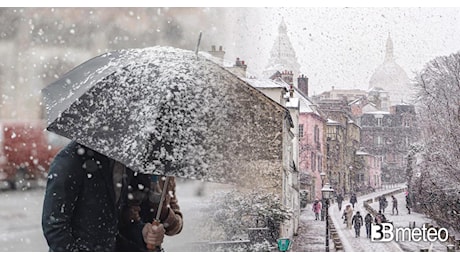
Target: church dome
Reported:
point(390, 77)
point(282, 55)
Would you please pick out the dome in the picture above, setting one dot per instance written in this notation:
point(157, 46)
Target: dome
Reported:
point(391, 78)
point(282, 55)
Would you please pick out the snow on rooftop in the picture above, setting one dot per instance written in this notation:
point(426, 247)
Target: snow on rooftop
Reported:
point(330, 121)
point(378, 112)
point(361, 153)
point(266, 83)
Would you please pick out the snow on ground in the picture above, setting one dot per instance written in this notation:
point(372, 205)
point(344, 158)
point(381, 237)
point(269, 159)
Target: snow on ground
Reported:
point(347, 236)
point(403, 219)
point(311, 237)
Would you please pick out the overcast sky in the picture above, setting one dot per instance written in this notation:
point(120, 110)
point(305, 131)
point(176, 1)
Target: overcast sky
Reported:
point(335, 46)
point(342, 47)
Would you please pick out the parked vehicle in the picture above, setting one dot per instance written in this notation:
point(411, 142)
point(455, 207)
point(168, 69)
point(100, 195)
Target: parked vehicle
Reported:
point(26, 151)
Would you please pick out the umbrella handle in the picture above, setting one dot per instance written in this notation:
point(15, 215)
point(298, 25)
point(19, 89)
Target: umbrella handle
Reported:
point(151, 247)
point(156, 221)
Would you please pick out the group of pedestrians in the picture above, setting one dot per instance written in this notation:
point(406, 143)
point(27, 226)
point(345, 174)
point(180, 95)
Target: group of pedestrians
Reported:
point(357, 221)
point(383, 203)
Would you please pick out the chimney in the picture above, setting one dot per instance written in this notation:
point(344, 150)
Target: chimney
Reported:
point(287, 77)
point(291, 91)
point(302, 84)
point(237, 62)
point(217, 53)
point(239, 68)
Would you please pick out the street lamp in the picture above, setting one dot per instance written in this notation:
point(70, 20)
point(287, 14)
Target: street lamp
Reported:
point(326, 192)
point(323, 177)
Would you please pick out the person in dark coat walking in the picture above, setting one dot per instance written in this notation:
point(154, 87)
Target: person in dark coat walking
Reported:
point(353, 199)
point(339, 201)
point(408, 203)
point(368, 223)
point(383, 203)
point(86, 195)
point(357, 223)
point(394, 205)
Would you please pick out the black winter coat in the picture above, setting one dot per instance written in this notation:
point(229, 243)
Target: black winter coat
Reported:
point(80, 211)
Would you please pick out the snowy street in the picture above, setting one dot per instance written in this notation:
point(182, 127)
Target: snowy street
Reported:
point(311, 236)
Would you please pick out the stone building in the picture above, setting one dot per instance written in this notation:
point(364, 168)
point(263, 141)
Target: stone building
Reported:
point(342, 143)
point(389, 135)
point(278, 91)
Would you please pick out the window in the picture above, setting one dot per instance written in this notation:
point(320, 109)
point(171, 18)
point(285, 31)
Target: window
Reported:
point(316, 134)
point(379, 121)
point(378, 140)
point(406, 122)
point(331, 132)
point(313, 162)
point(320, 163)
point(300, 130)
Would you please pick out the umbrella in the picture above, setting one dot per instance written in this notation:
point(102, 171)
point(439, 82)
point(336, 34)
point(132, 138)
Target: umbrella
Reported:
point(168, 111)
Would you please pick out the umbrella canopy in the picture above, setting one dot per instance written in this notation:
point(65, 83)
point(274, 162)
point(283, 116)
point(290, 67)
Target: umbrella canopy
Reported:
point(167, 111)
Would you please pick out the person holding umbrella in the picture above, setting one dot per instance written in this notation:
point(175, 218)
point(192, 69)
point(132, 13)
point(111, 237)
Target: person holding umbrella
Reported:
point(86, 194)
point(153, 111)
point(151, 199)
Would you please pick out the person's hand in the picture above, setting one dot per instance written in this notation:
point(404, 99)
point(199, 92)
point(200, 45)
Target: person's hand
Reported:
point(153, 234)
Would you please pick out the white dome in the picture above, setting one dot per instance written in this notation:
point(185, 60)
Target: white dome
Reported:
point(390, 77)
point(282, 55)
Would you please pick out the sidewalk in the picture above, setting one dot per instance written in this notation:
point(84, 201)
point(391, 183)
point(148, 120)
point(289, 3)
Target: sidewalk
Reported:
point(311, 235)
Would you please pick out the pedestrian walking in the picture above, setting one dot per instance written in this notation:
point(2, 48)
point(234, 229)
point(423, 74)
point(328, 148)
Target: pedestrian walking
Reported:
point(368, 223)
point(394, 205)
point(408, 203)
point(316, 208)
point(382, 203)
point(349, 211)
point(339, 201)
point(380, 218)
point(344, 216)
point(357, 223)
point(353, 199)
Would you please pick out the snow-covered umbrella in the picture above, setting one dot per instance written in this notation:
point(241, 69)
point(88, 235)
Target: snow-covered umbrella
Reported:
point(166, 111)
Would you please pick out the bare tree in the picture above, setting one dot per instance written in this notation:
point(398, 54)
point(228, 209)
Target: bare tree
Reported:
point(437, 187)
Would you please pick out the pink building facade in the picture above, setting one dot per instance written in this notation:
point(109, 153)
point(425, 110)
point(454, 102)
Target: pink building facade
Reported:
point(371, 175)
point(312, 154)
